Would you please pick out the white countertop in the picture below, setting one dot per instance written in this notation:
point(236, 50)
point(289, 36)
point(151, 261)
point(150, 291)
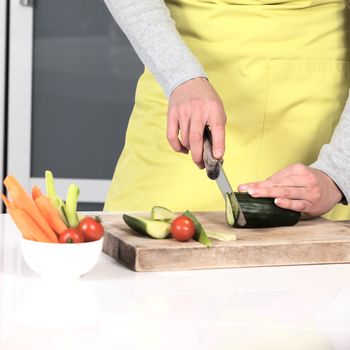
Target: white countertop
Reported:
point(282, 308)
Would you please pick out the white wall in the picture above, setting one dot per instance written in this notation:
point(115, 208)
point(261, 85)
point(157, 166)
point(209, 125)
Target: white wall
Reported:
point(3, 4)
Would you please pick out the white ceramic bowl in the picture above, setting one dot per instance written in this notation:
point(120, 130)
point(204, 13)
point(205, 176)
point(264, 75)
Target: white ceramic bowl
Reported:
point(61, 260)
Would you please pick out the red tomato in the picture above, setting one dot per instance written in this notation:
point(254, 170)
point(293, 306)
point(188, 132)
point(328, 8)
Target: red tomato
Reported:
point(182, 228)
point(91, 229)
point(71, 235)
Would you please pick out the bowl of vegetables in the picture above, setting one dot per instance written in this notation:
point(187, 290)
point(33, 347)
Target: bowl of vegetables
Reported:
point(57, 241)
point(54, 260)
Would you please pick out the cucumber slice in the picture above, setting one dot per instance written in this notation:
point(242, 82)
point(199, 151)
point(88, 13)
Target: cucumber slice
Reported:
point(71, 205)
point(230, 218)
point(221, 236)
point(163, 214)
point(154, 228)
point(200, 235)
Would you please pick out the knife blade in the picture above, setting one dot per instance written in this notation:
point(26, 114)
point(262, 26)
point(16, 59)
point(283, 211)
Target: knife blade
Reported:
point(225, 188)
point(216, 172)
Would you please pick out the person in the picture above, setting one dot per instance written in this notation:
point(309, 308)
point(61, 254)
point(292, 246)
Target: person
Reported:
point(270, 78)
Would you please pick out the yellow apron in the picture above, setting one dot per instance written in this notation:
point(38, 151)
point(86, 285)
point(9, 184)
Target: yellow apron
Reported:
point(282, 71)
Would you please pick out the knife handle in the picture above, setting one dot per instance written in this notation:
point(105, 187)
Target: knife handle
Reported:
point(212, 165)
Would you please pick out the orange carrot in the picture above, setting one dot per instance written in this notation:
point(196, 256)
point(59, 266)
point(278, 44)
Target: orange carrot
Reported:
point(10, 209)
point(23, 201)
point(36, 192)
point(28, 227)
point(29, 231)
point(50, 214)
point(26, 233)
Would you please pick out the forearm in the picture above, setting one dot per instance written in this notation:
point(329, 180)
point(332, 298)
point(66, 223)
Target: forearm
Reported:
point(334, 158)
point(152, 33)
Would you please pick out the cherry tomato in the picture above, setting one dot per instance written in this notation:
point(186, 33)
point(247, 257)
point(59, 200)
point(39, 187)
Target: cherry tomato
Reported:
point(91, 229)
point(71, 235)
point(182, 228)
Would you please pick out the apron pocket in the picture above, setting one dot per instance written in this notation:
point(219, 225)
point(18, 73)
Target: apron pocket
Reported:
point(304, 100)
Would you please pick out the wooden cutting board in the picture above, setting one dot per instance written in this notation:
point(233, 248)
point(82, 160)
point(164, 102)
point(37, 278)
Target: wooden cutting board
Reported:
point(317, 241)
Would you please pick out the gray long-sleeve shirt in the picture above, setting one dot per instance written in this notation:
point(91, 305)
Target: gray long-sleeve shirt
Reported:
point(152, 32)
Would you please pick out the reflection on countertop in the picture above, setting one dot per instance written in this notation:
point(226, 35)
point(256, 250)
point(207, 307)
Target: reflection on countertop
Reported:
point(296, 308)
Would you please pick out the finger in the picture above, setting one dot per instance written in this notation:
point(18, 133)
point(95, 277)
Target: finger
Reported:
point(281, 192)
point(284, 181)
point(184, 131)
point(303, 206)
point(287, 181)
point(274, 180)
point(293, 169)
point(172, 134)
point(293, 175)
point(197, 126)
point(218, 135)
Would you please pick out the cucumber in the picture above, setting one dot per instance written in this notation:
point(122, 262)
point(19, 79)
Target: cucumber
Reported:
point(260, 212)
point(50, 186)
point(61, 208)
point(54, 198)
point(154, 228)
point(71, 205)
point(221, 236)
point(230, 217)
point(200, 235)
point(163, 214)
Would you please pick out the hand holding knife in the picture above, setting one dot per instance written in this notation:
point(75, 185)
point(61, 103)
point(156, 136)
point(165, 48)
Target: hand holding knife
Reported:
point(216, 172)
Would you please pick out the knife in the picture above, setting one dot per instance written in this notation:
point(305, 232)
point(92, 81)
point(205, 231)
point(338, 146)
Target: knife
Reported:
point(216, 172)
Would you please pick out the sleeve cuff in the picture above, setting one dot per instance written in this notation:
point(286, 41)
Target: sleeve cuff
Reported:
point(169, 88)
